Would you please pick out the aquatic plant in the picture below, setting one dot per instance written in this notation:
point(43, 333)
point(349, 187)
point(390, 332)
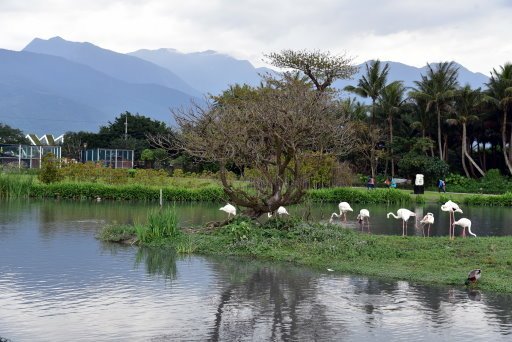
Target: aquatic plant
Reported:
point(14, 185)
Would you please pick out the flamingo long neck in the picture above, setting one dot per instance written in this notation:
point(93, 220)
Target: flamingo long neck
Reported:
point(392, 214)
point(470, 232)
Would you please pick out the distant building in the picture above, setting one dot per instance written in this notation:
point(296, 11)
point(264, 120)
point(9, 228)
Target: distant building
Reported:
point(46, 139)
point(30, 156)
point(114, 158)
point(26, 156)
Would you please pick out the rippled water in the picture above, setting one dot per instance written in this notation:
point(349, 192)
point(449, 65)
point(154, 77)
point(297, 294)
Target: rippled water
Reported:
point(58, 283)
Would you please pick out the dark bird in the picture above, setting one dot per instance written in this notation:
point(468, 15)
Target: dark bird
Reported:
point(473, 276)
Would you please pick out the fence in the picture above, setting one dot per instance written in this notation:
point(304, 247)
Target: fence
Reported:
point(26, 156)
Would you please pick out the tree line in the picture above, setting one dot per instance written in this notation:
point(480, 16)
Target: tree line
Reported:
point(435, 127)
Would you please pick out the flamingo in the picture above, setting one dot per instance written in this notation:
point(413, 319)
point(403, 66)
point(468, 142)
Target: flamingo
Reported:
point(403, 214)
point(473, 276)
point(464, 223)
point(344, 207)
point(280, 211)
point(428, 219)
point(451, 207)
point(364, 213)
point(230, 209)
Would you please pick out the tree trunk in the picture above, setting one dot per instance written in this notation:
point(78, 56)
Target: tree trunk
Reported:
point(391, 145)
point(463, 150)
point(466, 154)
point(439, 137)
point(372, 121)
point(445, 147)
point(510, 146)
point(373, 162)
point(504, 141)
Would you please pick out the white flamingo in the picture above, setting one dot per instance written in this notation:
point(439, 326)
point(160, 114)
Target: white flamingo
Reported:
point(451, 207)
point(464, 223)
point(280, 211)
point(344, 207)
point(427, 220)
point(403, 214)
point(230, 209)
point(364, 213)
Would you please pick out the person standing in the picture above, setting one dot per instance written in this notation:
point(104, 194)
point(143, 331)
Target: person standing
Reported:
point(441, 185)
point(371, 183)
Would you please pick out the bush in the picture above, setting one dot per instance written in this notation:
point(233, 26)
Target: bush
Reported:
point(49, 172)
point(358, 195)
point(432, 168)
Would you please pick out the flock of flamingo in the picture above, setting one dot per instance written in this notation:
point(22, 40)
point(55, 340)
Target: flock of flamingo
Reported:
point(404, 214)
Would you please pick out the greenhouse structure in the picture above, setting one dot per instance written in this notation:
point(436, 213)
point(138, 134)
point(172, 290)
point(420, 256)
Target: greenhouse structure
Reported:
point(114, 158)
point(26, 156)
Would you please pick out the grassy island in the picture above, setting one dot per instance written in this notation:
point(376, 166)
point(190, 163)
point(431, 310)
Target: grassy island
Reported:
point(434, 260)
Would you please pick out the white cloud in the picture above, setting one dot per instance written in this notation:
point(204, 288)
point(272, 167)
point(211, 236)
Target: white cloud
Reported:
point(472, 32)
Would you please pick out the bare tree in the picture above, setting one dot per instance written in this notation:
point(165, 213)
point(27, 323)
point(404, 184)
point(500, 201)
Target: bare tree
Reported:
point(270, 130)
point(322, 68)
point(367, 141)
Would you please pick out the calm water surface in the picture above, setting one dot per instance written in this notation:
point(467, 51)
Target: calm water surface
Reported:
point(58, 283)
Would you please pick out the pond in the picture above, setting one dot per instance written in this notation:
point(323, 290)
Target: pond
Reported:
point(59, 283)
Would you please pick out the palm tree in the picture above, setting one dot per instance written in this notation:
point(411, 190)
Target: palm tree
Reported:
point(500, 95)
point(371, 84)
point(391, 101)
point(437, 89)
point(467, 102)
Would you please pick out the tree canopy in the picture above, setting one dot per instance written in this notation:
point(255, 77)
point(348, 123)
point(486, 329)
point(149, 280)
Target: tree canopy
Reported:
point(10, 135)
point(270, 129)
point(322, 68)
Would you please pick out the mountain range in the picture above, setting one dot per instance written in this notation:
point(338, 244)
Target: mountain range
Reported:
point(54, 86)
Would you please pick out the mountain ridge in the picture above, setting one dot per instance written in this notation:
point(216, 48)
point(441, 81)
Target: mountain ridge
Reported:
point(55, 85)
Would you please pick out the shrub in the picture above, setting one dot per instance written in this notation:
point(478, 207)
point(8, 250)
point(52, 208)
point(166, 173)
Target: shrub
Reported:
point(359, 195)
point(49, 172)
point(432, 168)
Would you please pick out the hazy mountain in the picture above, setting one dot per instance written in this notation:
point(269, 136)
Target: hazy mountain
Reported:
point(208, 71)
point(409, 74)
point(121, 66)
point(47, 94)
point(54, 85)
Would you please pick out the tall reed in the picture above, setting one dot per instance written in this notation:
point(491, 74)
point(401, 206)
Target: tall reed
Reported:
point(162, 223)
point(15, 185)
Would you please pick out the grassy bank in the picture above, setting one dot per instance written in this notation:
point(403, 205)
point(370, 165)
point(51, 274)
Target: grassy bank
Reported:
point(435, 260)
point(25, 186)
point(134, 192)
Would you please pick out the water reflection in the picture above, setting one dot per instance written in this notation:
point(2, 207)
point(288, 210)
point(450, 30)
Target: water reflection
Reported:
point(157, 261)
point(487, 221)
point(53, 270)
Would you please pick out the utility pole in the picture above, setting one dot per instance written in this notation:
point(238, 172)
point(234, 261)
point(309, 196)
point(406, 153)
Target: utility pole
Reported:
point(126, 126)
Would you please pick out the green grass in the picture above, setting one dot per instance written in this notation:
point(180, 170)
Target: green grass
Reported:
point(13, 185)
point(436, 260)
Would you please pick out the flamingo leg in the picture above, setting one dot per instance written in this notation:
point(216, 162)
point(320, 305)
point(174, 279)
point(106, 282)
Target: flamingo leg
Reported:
point(429, 230)
point(451, 225)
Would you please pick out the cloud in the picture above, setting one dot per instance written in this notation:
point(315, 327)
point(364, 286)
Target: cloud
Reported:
point(406, 31)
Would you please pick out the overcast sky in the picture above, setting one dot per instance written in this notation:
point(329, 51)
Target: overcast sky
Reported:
point(474, 33)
